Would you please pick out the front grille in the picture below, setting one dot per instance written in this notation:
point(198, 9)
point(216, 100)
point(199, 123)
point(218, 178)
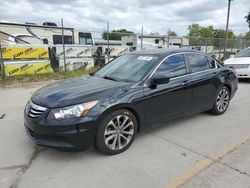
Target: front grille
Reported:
point(239, 66)
point(35, 110)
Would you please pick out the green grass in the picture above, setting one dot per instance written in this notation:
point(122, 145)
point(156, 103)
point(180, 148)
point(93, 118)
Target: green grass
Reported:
point(42, 77)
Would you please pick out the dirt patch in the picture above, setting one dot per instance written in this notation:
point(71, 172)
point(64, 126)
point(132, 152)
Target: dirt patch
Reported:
point(15, 80)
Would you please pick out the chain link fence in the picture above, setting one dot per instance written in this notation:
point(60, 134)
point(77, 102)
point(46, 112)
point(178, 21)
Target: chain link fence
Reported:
point(105, 45)
point(215, 46)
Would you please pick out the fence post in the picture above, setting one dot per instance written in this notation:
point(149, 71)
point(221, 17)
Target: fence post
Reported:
point(64, 58)
point(220, 49)
point(141, 37)
point(108, 39)
point(243, 46)
point(237, 44)
point(232, 45)
point(189, 39)
point(168, 37)
point(206, 44)
point(2, 62)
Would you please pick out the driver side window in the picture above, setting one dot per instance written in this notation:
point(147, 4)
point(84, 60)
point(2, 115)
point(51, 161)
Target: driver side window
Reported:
point(173, 66)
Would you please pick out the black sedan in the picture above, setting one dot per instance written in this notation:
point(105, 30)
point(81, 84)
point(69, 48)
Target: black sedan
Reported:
point(132, 93)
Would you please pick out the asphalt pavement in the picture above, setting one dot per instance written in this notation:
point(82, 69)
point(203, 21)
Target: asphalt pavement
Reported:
point(198, 151)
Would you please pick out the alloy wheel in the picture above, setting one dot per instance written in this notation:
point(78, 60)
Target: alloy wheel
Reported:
point(222, 100)
point(119, 132)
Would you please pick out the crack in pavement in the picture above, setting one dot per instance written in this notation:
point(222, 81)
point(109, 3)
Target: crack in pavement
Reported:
point(183, 147)
point(233, 168)
point(12, 167)
point(213, 159)
point(25, 167)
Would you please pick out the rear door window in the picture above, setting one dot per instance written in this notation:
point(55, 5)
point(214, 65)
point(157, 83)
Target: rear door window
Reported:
point(198, 62)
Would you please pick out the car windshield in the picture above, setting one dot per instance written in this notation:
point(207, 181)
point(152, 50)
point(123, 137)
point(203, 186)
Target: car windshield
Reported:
point(244, 53)
point(128, 68)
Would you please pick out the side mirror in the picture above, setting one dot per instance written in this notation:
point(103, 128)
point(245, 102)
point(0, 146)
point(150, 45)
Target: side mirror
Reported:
point(232, 56)
point(161, 79)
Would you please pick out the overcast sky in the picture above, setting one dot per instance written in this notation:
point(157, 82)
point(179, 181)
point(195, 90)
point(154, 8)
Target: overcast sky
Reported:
point(154, 15)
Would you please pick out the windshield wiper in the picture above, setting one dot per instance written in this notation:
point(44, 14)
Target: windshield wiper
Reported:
point(109, 78)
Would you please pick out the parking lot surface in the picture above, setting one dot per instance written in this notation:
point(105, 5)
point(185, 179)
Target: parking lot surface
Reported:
point(198, 151)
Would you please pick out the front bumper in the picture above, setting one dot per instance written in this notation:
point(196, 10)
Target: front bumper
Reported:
point(65, 134)
point(243, 73)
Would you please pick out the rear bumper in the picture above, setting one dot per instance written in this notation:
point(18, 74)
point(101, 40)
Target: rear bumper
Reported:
point(72, 136)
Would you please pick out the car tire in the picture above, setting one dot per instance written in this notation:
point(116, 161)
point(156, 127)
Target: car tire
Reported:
point(116, 132)
point(221, 102)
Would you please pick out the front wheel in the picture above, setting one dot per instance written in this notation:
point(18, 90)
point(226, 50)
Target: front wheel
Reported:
point(222, 101)
point(116, 132)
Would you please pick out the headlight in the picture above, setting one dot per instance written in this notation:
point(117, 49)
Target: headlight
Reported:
point(72, 111)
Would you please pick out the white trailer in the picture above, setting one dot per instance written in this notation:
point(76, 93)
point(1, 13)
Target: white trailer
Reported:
point(13, 33)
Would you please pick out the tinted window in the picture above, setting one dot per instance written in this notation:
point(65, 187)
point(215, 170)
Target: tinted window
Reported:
point(45, 41)
point(57, 39)
point(198, 62)
point(211, 63)
point(173, 66)
point(85, 38)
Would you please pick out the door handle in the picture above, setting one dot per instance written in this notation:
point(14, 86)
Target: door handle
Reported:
point(184, 82)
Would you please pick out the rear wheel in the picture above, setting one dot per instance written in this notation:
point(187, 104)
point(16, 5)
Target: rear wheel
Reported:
point(222, 101)
point(116, 132)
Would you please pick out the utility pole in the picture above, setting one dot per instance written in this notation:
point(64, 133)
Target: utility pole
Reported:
point(64, 57)
point(228, 14)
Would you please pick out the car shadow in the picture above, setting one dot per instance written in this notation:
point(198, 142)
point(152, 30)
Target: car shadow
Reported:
point(61, 155)
point(176, 122)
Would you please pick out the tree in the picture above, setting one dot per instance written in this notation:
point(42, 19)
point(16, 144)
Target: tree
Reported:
point(194, 30)
point(207, 31)
point(200, 36)
point(247, 35)
point(117, 34)
point(220, 33)
point(172, 33)
point(248, 19)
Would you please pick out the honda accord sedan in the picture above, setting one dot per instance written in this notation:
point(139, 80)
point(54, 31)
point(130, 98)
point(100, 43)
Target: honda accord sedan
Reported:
point(131, 94)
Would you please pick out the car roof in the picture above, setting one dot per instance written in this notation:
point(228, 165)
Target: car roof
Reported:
point(162, 52)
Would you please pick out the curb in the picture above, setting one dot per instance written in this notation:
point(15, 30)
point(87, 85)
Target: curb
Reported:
point(28, 84)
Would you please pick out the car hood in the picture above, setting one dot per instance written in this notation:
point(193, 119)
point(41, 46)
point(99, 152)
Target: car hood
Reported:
point(238, 60)
point(75, 91)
